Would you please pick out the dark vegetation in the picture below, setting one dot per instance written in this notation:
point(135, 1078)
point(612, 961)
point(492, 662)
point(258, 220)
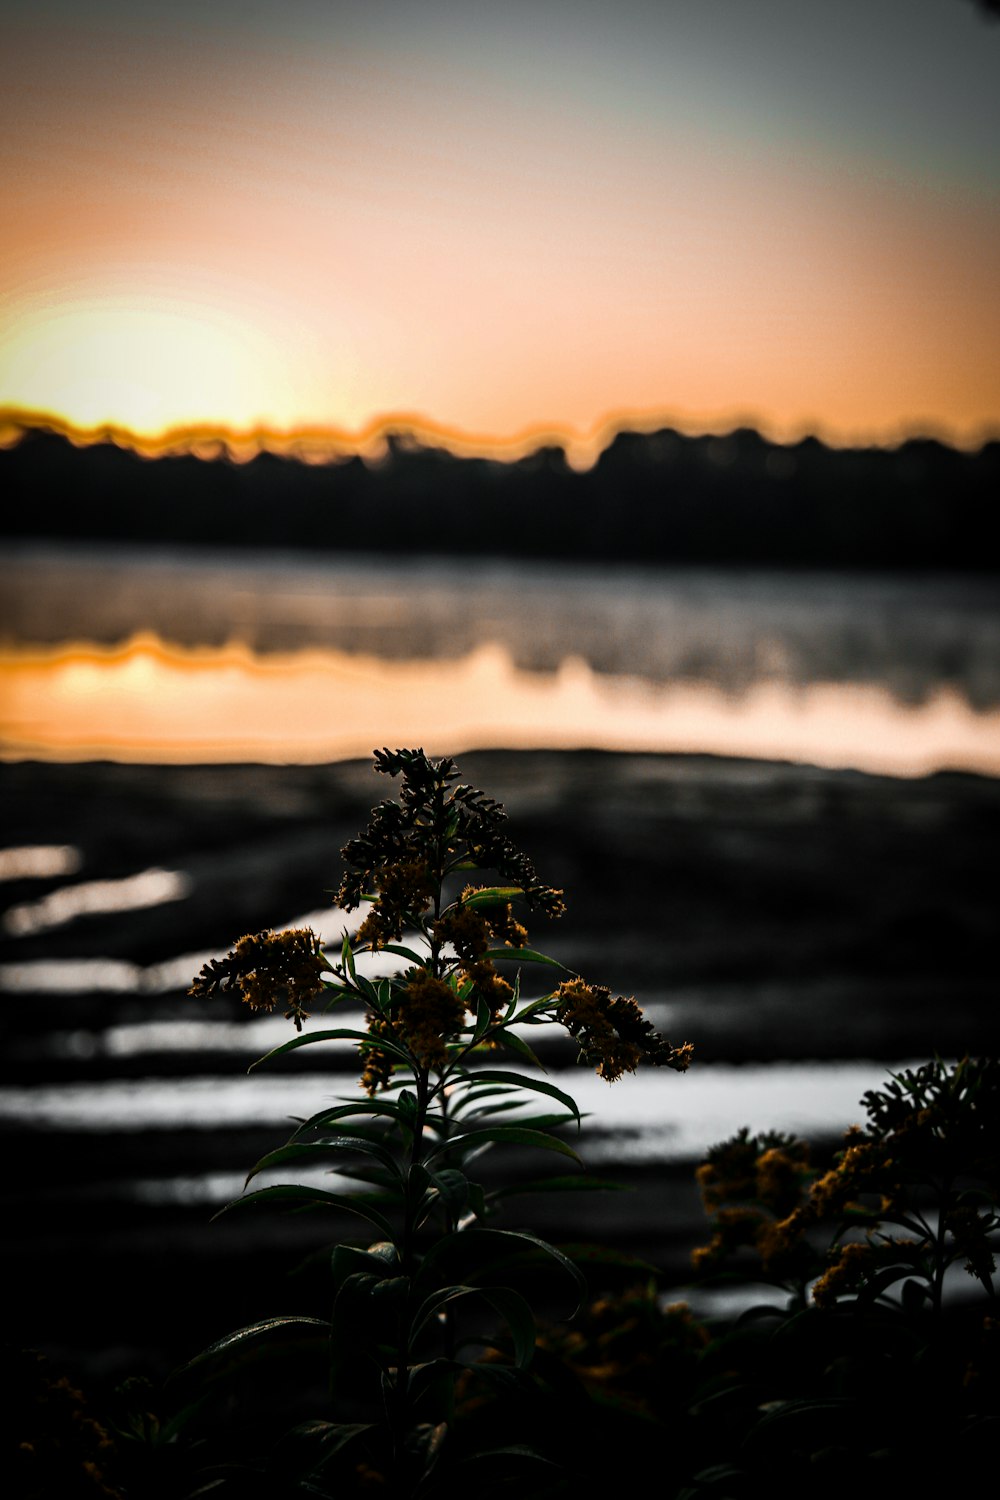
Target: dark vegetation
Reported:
point(865, 1367)
point(660, 497)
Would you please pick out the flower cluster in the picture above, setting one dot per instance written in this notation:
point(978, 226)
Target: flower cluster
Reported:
point(628, 1346)
point(472, 932)
point(471, 829)
point(612, 1032)
point(404, 890)
point(429, 1013)
point(268, 969)
point(942, 1118)
point(377, 1069)
point(849, 1265)
point(934, 1131)
point(753, 1188)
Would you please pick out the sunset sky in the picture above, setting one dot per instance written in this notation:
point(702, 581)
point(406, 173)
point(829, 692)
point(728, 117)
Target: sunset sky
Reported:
point(503, 218)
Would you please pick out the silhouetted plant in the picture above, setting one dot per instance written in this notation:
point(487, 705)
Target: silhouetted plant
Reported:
point(869, 1374)
point(442, 1296)
point(927, 1164)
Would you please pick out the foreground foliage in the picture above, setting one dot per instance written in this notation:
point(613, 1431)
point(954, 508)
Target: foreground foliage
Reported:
point(444, 1348)
point(433, 1309)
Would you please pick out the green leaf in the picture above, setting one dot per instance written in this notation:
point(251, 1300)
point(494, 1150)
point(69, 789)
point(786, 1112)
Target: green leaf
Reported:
point(526, 1017)
point(914, 1294)
point(432, 1305)
point(347, 957)
point(518, 1080)
point(342, 1034)
point(346, 1261)
point(310, 1150)
point(519, 1318)
point(511, 1450)
point(407, 1102)
point(331, 1437)
point(387, 1108)
point(401, 952)
point(515, 1135)
point(519, 1045)
point(293, 1193)
point(368, 990)
point(476, 1250)
point(336, 992)
point(493, 895)
point(527, 955)
point(423, 1375)
point(502, 1107)
point(797, 1409)
point(452, 1188)
point(418, 1181)
point(876, 1286)
point(269, 1329)
point(484, 1017)
point(511, 1306)
point(515, 998)
point(470, 1097)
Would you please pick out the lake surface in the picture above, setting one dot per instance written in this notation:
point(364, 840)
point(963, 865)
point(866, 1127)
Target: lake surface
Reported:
point(188, 656)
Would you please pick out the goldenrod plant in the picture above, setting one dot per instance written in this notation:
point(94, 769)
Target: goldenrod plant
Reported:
point(875, 1368)
point(436, 1298)
point(911, 1194)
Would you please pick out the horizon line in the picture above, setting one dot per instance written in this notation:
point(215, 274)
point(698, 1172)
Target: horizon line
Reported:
point(324, 443)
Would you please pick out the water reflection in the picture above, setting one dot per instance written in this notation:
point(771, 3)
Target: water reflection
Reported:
point(39, 861)
point(911, 634)
point(653, 1116)
point(133, 893)
point(149, 701)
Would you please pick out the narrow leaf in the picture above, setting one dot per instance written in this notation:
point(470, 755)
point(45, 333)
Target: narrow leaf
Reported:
point(516, 1135)
point(484, 1017)
point(402, 952)
point(347, 957)
point(387, 1108)
point(292, 1192)
point(537, 1085)
point(528, 955)
point(493, 895)
point(476, 1249)
point(254, 1333)
point(342, 1034)
point(519, 1045)
point(314, 1149)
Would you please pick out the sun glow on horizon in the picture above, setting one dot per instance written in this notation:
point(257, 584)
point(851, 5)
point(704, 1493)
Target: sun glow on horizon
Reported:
point(147, 363)
point(315, 224)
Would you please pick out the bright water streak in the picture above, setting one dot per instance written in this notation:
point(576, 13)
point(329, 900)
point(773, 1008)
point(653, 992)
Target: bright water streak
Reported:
point(654, 1116)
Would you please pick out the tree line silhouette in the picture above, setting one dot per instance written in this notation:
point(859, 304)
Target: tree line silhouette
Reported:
point(661, 497)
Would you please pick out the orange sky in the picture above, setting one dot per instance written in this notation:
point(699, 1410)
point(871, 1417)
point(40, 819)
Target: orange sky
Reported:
point(502, 220)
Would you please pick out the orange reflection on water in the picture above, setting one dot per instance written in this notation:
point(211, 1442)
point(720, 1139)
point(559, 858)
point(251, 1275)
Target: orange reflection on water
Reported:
point(147, 701)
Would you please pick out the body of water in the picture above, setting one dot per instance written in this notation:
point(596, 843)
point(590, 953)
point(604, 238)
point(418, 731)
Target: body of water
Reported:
point(185, 656)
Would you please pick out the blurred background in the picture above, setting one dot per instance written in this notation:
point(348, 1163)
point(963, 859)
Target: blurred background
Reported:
point(609, 401)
